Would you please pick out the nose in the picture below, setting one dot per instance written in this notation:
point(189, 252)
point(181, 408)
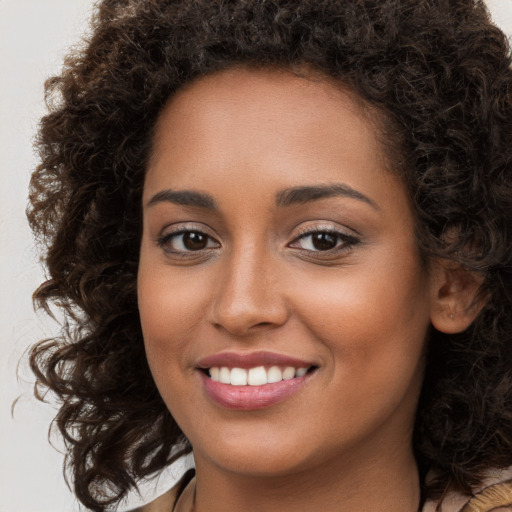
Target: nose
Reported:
point(249, 297)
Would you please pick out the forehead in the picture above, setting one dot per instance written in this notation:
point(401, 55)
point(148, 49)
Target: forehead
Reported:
point(279, 96)
point(244, 123)
point(239, 86)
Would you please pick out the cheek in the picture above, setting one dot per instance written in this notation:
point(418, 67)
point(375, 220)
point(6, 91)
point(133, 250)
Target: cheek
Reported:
point(168, 316)
point(373, 322)
point(169, 309)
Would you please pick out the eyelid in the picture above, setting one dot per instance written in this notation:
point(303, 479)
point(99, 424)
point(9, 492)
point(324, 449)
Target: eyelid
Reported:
point(311, 228)
point(180, 228)
point(348, 240)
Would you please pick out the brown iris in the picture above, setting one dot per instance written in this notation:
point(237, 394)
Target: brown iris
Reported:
point(194, 241)
point(324, 241)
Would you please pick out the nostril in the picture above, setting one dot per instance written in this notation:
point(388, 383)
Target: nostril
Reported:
point(263, 324)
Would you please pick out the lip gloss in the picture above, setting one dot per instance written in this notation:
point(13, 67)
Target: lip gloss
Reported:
point(246, 398)
point(251, 359)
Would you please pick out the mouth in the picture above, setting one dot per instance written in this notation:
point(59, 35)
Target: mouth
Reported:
point(253, 381)
point(255, 376)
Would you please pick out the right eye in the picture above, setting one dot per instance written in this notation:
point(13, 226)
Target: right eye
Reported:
point(186, 241)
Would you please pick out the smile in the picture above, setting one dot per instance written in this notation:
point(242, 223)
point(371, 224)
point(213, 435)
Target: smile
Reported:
point(253, 381)
point(257, 376)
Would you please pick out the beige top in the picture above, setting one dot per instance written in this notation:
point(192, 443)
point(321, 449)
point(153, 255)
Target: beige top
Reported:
point(495, 496)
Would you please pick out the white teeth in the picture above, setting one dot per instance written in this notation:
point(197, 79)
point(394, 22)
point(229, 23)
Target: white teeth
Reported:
point(301, 372)
point(215, 374)
point(257, 376)
point(274, 374)
point(288, 373)
point(225, 375)
point(238, 377)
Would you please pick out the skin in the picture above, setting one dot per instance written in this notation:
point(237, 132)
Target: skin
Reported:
point(359, 312)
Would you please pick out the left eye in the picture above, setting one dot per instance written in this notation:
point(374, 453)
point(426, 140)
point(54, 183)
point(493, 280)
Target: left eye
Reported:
point(187, 241)
point(323, 241)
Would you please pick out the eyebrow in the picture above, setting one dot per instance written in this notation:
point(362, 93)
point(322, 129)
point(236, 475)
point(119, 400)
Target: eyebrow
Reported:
point(185, 198)
point(284, 198)
point(300, 195)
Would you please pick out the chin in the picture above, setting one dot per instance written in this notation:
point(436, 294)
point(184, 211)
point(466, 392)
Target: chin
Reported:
point(256, 452)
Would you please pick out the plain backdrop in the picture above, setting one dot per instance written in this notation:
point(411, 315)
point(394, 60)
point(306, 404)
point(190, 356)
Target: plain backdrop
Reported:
point(34, 36)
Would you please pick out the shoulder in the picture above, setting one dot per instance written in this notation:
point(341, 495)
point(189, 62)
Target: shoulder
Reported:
point(495, 495)
point(167, 501)
point(163, 503)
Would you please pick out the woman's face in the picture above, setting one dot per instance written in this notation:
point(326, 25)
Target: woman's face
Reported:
point(283, 302)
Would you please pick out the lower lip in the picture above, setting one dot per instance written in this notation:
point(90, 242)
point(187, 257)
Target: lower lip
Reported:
point(248, 398)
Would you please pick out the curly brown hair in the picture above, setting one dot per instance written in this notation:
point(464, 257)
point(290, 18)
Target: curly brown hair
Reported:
point(437, 72)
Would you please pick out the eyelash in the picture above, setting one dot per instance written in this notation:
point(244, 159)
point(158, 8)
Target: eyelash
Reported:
point(165, 241)
point(343, 241)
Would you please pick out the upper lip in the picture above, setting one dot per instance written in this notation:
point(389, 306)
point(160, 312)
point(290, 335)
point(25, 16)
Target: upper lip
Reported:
point(251, 360)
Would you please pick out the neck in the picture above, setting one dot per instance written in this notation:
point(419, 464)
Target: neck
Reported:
point(386, 485)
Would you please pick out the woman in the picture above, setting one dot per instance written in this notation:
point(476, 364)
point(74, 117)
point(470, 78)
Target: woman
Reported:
point(281, 234)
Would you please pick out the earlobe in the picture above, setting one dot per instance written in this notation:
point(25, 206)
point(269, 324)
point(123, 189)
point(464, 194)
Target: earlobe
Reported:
point(455, 297)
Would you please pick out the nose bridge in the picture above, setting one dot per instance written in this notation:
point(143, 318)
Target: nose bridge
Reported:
point(248, 295)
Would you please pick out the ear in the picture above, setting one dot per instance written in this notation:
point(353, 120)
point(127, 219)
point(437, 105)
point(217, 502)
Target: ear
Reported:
point(454, 297)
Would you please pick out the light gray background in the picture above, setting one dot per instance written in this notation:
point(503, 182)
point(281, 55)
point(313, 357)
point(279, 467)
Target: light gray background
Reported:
point(34, 36)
